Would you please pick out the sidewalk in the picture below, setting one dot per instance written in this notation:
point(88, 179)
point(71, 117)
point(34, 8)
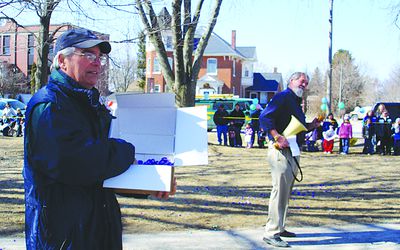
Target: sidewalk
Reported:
point(355, 237)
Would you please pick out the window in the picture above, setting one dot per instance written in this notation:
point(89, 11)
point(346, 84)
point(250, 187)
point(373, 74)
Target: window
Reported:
point(156, 66)
point(171, 62)
point(157, 88)
point(246, 72)
point(212, 66)
point(31, 49)
point(6, 45)
point(233, 68)
point(168, 42)
point(148, 65)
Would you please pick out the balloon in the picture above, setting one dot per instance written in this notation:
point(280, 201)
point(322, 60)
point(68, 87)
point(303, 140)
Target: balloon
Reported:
point(324, 100)
point(255, 101)
point(252, 107)
point(324, 107)
point(341, 105)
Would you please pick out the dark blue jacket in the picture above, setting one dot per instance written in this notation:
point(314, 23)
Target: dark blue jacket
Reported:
point(68, 155)
point(277, 113)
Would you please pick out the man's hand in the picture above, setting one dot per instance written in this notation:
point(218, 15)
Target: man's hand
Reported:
point(281, 142)
point(314, 124)
point(165, 195)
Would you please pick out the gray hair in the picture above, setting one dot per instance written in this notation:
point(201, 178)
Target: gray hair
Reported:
point(297, 75)
point(65, 52)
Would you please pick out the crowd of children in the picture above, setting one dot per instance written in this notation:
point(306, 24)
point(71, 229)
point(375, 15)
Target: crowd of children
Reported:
point(381, 134)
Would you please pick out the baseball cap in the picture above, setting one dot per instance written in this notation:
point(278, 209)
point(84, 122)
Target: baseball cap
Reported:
point(81, 38)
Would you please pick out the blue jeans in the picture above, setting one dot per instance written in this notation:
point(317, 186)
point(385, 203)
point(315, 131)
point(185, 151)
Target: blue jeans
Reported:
point(222, 130)
point(345, 145)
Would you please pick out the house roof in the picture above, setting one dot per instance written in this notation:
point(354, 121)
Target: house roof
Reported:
point(261, 83)
point(248, 52)
point(217, 46)
point(164, 18)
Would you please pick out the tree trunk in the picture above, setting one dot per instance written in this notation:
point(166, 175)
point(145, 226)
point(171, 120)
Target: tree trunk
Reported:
point(43, 53)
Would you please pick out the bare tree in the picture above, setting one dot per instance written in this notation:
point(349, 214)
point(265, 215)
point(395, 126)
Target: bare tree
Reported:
point(141, 61)
point(391, 87)
point(122, 73)
point(186, 65)
point(12, 81)
point(314, 93)
point(43, 9)
point(347, 83)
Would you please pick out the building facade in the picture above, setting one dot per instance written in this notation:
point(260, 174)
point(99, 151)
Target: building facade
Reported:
point(18, 44)
point(225, 68)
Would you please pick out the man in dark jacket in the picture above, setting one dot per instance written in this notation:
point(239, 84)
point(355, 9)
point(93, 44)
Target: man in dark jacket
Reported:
point(221, 122)
point(238, 118)
point(284, 166)
point(68, 154)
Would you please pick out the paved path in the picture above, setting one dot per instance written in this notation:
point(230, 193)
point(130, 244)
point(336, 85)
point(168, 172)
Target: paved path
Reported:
point(355, 237)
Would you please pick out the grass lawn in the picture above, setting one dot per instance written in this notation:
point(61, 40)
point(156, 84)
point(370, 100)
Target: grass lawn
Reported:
point(232, 191)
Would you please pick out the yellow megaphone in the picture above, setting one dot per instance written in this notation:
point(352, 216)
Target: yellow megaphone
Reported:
point(294, 127)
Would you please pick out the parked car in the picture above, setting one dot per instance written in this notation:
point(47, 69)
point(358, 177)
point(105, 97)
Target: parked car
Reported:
point(229, 103)
point(392, 107)
point(13, 103)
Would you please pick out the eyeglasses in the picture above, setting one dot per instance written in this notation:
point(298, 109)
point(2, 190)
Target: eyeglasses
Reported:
point(92, 57)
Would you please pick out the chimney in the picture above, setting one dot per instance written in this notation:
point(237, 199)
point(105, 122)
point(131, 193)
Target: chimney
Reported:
point(233, 44)
point(275, 70)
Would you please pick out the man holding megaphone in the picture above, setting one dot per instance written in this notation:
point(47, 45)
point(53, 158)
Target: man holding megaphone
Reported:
point(284, 121)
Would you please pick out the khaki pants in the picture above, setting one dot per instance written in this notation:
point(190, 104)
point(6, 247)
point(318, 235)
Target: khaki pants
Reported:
point(283, 167)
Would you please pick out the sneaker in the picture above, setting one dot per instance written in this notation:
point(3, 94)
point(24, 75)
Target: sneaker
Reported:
point(275, 241)
point(343, 153)
point(287, 234)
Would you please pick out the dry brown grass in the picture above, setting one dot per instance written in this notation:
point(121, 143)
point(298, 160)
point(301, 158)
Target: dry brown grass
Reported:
point(232, 192)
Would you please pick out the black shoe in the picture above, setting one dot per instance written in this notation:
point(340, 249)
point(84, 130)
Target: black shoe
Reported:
point(287, 234)
point(275, 241)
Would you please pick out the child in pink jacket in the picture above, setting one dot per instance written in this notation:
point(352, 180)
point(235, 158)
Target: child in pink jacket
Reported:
point(345, 134)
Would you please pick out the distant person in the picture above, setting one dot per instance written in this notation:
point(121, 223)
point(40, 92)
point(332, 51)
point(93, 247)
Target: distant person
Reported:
point(238, 120)
point(384, 133)
point(284, 166)
point(396, 136)
point(371, 115)
point(368, 133)
point(9, 112)
point(345, 134)
point(19, 122)
point(248, 134)
point(255, 124)
point(381, 108)
point(329, 140)
point(221, 121)
point(232, 134)
point(330, 120)
point(311, 140)
point(68, 153)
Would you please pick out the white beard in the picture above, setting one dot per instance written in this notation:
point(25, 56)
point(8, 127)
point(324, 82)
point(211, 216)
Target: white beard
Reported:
point(298, 92)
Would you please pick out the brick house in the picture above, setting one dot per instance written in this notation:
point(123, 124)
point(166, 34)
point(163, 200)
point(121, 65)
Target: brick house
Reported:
point(225, 69)
point(17, 44)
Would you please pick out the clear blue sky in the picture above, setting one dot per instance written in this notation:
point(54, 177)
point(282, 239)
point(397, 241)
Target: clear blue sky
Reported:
point(291, 35)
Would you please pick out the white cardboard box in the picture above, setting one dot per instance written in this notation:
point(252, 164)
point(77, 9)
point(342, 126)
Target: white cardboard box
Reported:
point(158, 129)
